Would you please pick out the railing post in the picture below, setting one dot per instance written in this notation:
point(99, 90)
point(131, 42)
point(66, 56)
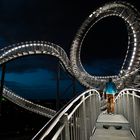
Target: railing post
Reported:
point(134, 112)
point(128, 109)
point(123, 105)
point(116, 106)
point(97, 105)
point(91, 111)
point(137, 101)
point(83, 120)
point(66, 128)
point(119, 111)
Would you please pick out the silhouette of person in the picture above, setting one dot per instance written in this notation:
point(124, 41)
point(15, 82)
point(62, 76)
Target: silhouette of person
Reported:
point(110, 90)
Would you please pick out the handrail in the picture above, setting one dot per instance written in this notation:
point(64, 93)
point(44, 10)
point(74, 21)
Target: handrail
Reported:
point(127, 89)
point(79, 110)
point(127, 103)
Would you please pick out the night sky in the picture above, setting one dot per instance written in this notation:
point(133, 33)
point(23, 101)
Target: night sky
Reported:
point(34, 77)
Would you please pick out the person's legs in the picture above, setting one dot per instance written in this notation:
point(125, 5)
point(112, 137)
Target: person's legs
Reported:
point(108, 103)
point(112, 103)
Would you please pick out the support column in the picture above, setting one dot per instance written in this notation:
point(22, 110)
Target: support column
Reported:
point(2, 85)
point(74, 86)
point(58, 88)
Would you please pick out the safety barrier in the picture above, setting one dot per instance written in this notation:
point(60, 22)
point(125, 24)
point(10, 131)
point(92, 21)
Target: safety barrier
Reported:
point(76, 121)
point(128, 103)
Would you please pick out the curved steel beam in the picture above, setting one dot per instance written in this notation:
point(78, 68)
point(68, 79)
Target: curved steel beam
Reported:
point(131, 17)
point(11, 96)
point(33, 48)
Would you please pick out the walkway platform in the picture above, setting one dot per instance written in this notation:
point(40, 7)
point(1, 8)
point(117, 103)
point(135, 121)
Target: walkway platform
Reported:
point(112, 127)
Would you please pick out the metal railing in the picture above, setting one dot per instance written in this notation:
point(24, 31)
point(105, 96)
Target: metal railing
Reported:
point(128, 103)
point(76, 121)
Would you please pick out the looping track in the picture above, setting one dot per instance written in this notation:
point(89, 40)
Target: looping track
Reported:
point(74, 66)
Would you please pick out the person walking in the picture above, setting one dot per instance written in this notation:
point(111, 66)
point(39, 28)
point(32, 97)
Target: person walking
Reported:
point(110, 90)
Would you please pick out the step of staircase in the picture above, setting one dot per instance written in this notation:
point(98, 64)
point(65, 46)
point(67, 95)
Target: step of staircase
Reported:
point(112, 127)
point(116, 120)
point(112, 134)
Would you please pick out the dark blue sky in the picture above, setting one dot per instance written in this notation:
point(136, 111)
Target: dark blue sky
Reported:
point(56, 21)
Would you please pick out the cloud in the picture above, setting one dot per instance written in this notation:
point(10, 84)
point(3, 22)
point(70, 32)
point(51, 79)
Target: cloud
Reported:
point(34, 85)
point(103, 67)
point(40, 85)
point(32, 92)
point(31, 64)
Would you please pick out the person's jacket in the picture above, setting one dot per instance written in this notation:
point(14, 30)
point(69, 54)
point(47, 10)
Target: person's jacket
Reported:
point(110, 88)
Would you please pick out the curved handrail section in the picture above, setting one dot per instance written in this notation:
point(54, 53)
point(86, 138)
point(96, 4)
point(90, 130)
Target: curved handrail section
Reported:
point(32, 48)
point(78, 116)
point(26, 104)
point(127, 103)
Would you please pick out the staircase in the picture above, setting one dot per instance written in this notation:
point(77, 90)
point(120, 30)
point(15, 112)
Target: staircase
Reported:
point(112, 127)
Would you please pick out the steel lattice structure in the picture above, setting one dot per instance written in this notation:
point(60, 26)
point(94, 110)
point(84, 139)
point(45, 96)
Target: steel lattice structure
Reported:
point(28, 105)
point(74, 66)
point(131, 62)
point(32, 48)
